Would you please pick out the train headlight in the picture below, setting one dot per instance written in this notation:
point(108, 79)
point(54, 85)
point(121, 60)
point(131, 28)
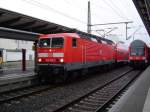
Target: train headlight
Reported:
point(61, 60)
point(143, 58)
point(39, 60)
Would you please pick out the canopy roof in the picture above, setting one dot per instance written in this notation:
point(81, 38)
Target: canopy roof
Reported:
point(13, 20)
point(143, 7)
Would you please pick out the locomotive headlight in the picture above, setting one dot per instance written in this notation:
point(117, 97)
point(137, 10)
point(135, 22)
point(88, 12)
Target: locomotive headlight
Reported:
point(50, 50)
point(39, 60)
point(61, 60)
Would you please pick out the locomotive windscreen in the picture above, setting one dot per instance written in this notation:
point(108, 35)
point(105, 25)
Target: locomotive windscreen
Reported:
point(56, 42)
point(137, 51)
point(44, 42)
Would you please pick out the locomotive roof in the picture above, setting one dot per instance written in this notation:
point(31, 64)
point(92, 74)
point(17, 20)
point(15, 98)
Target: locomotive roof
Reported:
point(89, 36)
point(137, 43)
point(79, 34)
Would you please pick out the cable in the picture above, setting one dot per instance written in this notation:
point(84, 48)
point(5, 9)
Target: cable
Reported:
point(114, 10)
point(77, 6)
point(72, 4)
point(121, 12)
point(44, 6)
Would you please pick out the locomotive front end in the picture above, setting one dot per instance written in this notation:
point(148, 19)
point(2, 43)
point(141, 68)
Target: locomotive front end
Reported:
point(50, 55)
point(138, 54)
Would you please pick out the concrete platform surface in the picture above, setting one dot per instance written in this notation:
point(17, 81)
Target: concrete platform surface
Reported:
point(15, 75)
point(13, 78)
point(136, 98)
point(6, 71)
point(147, 102)
point(15, 81)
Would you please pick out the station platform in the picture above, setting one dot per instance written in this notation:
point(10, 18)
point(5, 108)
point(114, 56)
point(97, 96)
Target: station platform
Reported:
point(137, 97)
point(11, 79)
point(6, 71)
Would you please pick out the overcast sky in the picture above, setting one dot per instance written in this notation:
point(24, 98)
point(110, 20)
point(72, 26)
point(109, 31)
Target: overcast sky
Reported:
point(73, 14)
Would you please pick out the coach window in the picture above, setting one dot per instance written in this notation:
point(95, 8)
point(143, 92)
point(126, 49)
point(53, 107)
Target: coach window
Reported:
point(74, 42)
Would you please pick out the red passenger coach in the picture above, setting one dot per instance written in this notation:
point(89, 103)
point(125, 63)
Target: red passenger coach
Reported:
point(121, 53)
point(139, 54)
point(60, 54)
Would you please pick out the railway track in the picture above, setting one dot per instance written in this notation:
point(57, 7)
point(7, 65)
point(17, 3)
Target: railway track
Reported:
point(98, 99)
point(81, 104)
point(16, 94)
point(24, 92)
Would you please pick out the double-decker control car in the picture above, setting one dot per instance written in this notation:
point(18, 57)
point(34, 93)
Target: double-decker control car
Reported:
point(139, 54)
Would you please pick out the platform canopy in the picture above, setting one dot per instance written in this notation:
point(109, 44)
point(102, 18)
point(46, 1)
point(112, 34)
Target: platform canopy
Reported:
point(143, 7)
point(12, 22)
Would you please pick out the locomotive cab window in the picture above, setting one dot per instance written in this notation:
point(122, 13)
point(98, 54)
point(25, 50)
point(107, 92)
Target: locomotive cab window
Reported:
point(74, 42)
point(57, 42)
point(44, 42)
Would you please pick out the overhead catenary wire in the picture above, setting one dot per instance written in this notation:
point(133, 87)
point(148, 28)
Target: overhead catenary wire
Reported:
point(124, 4)
point(47, 7)
point(116, 11)
point(93, 15)
point(69, 3)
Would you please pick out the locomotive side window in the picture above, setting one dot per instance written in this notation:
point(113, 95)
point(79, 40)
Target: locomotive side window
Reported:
point(57, 42)
point(74, 42)
point(44, 42)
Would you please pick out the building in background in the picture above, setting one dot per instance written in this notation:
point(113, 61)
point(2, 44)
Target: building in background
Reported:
point(12, 49)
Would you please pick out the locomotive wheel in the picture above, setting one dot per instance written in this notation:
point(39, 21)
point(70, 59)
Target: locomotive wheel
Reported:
point(40, 77)
point(74, 74)
point(105, 68)
point(109, 67)
point(44, 77)
point(71, 76)
point(84, 72)
point(61, 77)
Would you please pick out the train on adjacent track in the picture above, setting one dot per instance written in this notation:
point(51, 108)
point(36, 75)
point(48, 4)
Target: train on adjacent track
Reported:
point(139, 54)
point(60, 56)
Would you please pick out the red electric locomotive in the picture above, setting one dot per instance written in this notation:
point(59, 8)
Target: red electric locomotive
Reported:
point(139, 54)
point(60, 54)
